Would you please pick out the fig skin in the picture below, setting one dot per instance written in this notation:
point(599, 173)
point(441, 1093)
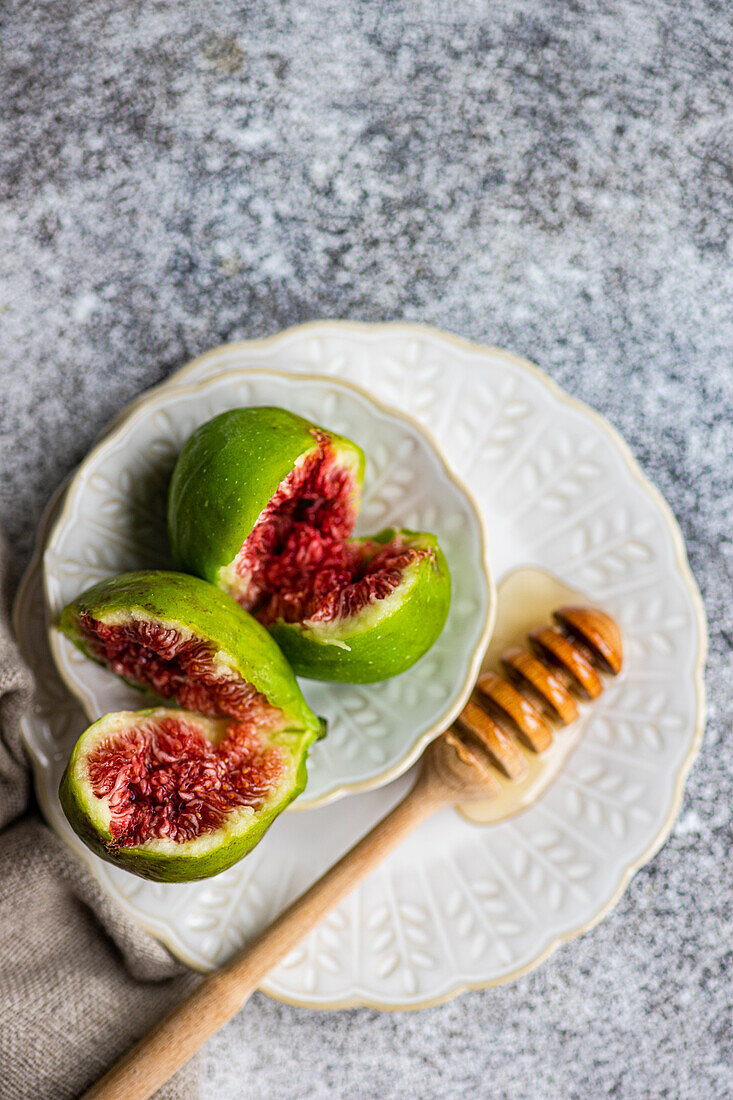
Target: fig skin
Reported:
point(81, 806)
point(227, 471)
point(191, 604)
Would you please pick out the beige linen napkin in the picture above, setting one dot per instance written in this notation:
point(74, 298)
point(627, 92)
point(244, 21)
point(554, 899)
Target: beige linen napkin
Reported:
point(79, 982)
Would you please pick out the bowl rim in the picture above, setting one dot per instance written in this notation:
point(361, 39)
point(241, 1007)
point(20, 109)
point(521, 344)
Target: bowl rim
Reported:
point(141, 406)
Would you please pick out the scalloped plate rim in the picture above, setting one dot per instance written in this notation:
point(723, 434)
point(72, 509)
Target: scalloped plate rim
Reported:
point(682, 569)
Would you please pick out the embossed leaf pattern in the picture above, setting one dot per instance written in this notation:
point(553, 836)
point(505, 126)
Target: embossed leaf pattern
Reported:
point(559, 475)
point(324, 951)
point(564, 856)
point(606, 550)
point(481, 915)
point(392, 482)
point(350, 710)
point(480, 434)
point(637, 721)
point(399, 935)
point(228, 909)
point(56, 718)
point(548, 868)
point(653, 625)
point(133, 505)
point(596, 796)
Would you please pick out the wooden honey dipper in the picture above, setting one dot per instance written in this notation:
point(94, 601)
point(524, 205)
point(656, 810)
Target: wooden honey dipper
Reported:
point(539, 688)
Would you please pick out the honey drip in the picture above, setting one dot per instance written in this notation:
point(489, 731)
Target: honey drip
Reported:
point(525, 597)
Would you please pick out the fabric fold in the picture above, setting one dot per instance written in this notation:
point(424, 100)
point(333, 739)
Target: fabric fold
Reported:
point(79, 981)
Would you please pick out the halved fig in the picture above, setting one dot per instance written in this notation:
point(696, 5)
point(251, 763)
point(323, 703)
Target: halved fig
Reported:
point(183, 639)
point(174, 796)
point(262, 503)
point(378, 623)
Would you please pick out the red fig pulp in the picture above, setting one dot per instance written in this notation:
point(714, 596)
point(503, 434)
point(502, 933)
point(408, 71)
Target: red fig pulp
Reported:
point(164, 779)
point(174, 667)
point(297, 564)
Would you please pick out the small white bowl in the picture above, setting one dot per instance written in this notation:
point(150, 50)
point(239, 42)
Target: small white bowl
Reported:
point(113, 520)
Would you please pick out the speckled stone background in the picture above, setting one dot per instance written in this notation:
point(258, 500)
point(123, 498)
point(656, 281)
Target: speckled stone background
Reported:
point(552, 176)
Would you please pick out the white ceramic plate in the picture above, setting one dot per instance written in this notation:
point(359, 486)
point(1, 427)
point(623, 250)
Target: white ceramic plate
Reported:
point(459, 906)
point(113, 520)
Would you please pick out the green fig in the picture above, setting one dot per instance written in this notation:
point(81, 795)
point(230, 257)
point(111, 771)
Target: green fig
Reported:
point(174, 796)
point(262, 503)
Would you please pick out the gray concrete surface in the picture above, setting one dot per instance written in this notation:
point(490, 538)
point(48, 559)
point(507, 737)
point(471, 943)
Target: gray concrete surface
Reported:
point(554, 177)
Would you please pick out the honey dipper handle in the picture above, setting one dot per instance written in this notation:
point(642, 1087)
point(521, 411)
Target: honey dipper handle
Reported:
point(156, 1057)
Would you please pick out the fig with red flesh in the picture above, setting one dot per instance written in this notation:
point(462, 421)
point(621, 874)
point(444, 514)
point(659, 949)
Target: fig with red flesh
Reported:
point(263, 504)
point(171, 794)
